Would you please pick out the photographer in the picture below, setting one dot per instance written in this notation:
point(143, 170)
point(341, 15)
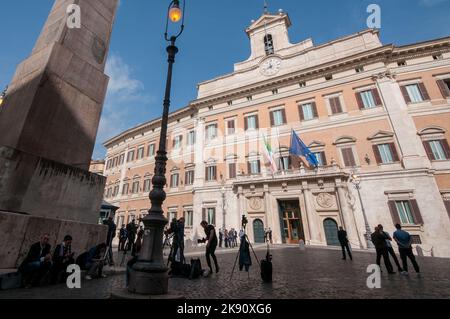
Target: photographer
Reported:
point(211, 246)
point(177, 229)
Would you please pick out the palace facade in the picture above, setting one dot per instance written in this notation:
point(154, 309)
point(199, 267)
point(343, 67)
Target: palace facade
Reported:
point(381, 112)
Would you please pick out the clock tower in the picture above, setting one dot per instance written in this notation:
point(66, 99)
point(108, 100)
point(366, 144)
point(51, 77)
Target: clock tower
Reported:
point(269, 34)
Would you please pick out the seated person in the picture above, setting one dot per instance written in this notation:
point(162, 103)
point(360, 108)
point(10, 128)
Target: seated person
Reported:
point(93, 261)
point(62, 258)
point(37, 263)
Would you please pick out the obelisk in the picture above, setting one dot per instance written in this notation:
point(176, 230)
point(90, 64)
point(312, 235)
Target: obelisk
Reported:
point(49, 122)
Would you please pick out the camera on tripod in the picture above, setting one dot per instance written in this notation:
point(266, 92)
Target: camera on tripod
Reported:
point(244, 221)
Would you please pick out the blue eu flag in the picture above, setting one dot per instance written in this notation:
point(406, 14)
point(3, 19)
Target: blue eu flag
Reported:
point(298, 148)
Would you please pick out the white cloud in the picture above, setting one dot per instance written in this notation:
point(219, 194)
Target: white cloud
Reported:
point(124, 99)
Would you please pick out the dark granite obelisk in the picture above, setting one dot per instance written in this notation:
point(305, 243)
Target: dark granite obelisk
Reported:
point(50, 117)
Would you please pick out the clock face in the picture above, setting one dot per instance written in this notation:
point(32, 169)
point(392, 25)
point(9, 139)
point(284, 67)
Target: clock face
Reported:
point(271, 66)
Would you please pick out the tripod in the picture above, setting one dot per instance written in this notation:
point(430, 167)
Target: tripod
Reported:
point(244, 237)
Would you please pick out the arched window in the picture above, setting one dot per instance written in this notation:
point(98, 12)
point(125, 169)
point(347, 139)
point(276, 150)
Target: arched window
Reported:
point(268, 44)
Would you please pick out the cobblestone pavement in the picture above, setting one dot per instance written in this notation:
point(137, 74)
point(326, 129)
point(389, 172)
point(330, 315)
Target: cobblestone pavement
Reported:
point(315, 273)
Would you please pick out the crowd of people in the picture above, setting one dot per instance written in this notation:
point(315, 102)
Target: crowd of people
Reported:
point(130, 238)
point(383, 241)
point(228, 238)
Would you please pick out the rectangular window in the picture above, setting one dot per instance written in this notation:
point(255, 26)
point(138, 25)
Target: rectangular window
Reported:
point(140, 152)
point(147, 184)
point(348, 156)
point(116, 190)
point(189, 218)
point(404, 212)
point(385, 153)
point(251, 122)
point(177, 141)
point(437, 150)
point(232, 170)
point(415, 93)
point(125, 188)
point(321, 159)
point(368, 100)
point(135, 188)
point(174, 180)
point(211, 173)
point(254, 167)
point(130, 156)
point(121, 159)
point(335, 105)
point(191, 138)
point(151, 150)
point(211, 131)
point(211, 212)
point(278, 117)
point(189, 178)
point(172, 216)
point(231, 127)
point(444, 86)
point(308, 111)
point(284, 163)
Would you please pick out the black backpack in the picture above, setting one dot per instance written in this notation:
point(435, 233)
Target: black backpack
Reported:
point(196, 269)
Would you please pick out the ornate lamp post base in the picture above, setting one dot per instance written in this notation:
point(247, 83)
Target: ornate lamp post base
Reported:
point(124, 294)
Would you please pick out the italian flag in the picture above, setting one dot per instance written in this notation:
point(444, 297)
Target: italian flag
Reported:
point(269, 155)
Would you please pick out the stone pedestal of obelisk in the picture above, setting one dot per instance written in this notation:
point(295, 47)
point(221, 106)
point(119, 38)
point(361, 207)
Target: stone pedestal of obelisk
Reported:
point(48, 126)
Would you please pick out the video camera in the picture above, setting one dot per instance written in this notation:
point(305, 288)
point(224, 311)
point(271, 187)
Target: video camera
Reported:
point(244, 221)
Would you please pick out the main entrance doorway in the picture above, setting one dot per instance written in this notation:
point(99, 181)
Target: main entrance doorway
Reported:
point(258, 231)
point(291, 222)
point(331, 230)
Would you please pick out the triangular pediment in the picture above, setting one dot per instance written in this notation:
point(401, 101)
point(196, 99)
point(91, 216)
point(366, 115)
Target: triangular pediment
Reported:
point(267, 19)
point(380, 135)
point(316, 144)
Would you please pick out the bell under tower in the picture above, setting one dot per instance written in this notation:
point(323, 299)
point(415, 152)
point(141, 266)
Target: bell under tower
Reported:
point(269, 34)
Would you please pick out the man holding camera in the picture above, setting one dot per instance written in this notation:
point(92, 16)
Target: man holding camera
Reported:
point(211, 246)
point(177, 229)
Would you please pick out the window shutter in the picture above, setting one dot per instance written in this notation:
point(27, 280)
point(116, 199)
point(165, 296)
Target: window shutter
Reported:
point(215, 173)
point(446, 148)
point(405, 94)
point(300, 111)
point(429, 151)
point(257, 121)
point(259, 166)
point(283, 113)
point(333, 105)
point(394, 152)
point(249, 168)
point(314, 107)
point(232, 170)
point(359, 100)
point(376, 151)
point(349, 159)
point(203, 214)
point(246, 123)
point(214, 217)
point(424, 92)
point(338, 105)
point(207, 178)
point(186, 182)
point(444, 88)
point(377, 97)
point(416, 212)
point(394, 212)
point(272, 119)
point(324, 158)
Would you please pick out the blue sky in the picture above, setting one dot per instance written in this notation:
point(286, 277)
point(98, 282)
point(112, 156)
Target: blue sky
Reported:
point(213, 41)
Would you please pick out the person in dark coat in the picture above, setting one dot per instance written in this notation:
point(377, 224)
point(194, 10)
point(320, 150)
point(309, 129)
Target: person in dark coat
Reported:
point(37, 263)
point(245, 261)
point(343, 240)
point(62, 258)
point(122, 238)
point(111, 235)
point(379, 240)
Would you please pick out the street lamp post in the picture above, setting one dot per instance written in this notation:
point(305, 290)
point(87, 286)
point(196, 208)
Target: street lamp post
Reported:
point(223, 191)
point(356, 181)
point(149, 275)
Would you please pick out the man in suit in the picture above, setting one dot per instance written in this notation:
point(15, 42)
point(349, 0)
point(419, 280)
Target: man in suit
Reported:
point(379, 240)
point(37, 263)
point(62, 258)
point(343, 239)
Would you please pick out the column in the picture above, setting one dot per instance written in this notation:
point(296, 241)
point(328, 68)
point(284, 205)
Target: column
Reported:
point(348, 217)
point(409, 142)
point(313, 220)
